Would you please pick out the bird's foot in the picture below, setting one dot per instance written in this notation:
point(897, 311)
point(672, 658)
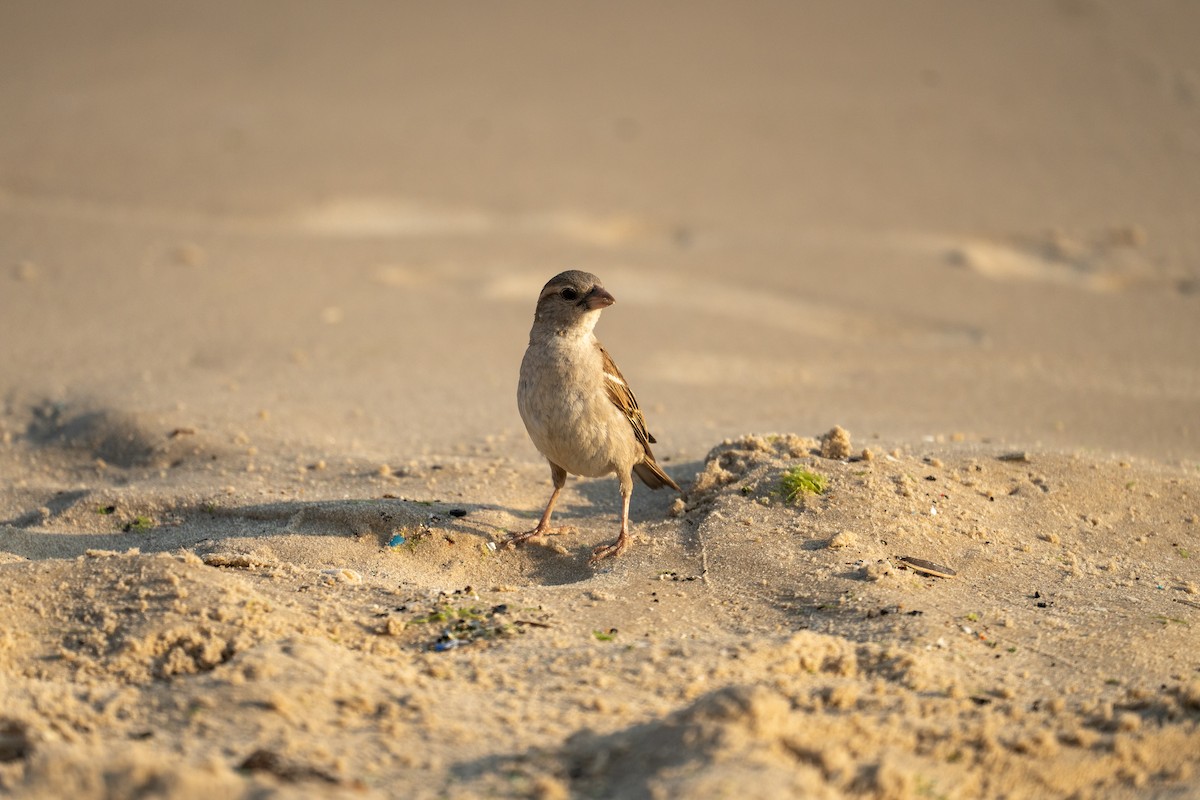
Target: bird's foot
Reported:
point(611, 550)
point(515, 539)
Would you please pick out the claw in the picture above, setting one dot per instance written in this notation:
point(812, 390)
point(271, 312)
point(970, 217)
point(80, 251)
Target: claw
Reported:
point(515, 539)
point(611, 550)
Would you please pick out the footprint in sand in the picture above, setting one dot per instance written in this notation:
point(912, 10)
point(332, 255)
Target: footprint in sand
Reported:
point(1109, 261)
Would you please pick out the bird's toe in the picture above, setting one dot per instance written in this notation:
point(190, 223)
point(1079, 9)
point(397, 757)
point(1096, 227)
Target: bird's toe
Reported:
point(610, 550)
point(515, 539)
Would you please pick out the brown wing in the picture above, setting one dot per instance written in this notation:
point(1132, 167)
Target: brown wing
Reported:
point(622, 397)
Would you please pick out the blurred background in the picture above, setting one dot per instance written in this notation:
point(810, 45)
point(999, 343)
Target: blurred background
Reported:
point(326, 224)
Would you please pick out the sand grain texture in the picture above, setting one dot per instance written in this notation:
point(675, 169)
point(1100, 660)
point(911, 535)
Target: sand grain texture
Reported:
point(909, 298)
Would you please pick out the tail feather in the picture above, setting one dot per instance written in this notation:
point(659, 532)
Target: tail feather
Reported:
point(653, 476)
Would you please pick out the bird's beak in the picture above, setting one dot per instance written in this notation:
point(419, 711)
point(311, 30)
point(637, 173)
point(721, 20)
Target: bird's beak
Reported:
point(598, 298)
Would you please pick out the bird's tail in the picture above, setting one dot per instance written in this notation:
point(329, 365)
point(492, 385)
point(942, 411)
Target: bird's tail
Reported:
point(653, 476)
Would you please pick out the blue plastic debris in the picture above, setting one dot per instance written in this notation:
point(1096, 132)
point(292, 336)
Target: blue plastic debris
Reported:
point(397, 540)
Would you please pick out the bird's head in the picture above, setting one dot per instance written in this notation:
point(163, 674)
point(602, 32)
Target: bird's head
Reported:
point(571, 300)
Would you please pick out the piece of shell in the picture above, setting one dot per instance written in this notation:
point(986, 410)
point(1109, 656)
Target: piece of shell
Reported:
point(927, 567)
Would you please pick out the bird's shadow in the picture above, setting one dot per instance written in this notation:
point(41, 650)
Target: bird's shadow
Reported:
point(603, 495)
point(209, 527)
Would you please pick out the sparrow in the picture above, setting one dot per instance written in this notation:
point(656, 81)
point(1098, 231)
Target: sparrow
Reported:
point(577, 406)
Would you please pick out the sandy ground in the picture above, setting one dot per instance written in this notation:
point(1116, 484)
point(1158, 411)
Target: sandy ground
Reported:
point(266, 274)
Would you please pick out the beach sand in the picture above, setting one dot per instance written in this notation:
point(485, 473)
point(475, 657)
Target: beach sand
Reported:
point(266, 275)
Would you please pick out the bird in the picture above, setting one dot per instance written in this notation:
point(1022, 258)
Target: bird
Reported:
point(577, 407)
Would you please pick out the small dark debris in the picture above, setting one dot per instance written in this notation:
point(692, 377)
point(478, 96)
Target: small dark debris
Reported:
point(883, 612)
point(533, 623)
point(1017, 456)
point(675, 576)
point(931, 477)
point(181, 432)
point(926, 567)
point(273, 763)
point(980, 700)
point(464, 625)
point(14, 740)
point(457, 512)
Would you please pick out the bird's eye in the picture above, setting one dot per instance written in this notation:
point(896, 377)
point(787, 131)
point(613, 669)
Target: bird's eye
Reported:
point(570, 295)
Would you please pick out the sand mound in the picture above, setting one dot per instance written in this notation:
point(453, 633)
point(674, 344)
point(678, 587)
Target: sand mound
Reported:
point(737, 728)
point(133, 619)
point(777, 635)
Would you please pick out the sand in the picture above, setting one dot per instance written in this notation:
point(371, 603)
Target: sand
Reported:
point(266, 275)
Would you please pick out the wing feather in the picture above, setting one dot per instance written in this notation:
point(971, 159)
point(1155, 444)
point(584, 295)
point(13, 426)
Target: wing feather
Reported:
point(622, 397)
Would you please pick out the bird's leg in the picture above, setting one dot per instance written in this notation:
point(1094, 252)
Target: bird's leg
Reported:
point(623, 538)
point(559, 476)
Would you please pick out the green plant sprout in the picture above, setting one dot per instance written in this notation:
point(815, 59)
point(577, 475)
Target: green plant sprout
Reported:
point(799, 481)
